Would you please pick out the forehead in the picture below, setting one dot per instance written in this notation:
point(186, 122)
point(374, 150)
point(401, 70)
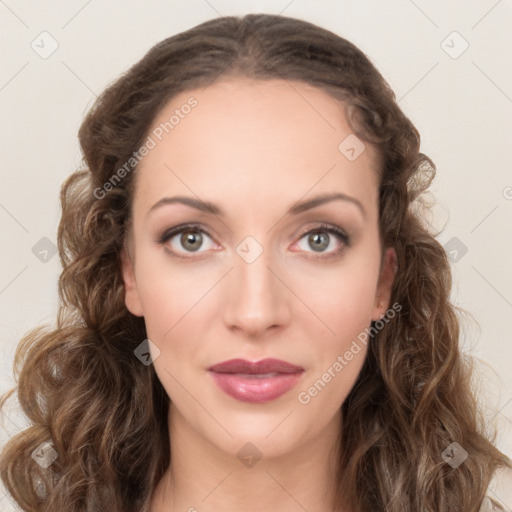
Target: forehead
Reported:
point(250, 137)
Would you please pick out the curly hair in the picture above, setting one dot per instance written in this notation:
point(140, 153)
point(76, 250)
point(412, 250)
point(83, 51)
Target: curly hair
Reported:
point(105, 413)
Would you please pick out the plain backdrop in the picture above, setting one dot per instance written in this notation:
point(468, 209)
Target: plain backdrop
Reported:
point(448, 63)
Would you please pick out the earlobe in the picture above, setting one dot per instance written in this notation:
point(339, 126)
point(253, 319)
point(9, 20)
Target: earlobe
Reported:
point(131, 294)
point(385, 285)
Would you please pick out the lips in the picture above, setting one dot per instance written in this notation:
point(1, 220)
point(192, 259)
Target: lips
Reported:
point(256, 382)
point(259, 367)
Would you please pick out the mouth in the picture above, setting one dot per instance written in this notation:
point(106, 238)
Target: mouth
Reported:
point(256, 382)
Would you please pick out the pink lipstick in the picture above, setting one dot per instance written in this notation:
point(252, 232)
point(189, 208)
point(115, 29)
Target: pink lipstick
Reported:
point(255, 382)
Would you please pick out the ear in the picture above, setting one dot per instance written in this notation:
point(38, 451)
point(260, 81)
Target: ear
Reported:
point(131, 294)
point(385, 284)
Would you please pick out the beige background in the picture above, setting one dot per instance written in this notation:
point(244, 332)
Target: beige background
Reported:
point(459, 98)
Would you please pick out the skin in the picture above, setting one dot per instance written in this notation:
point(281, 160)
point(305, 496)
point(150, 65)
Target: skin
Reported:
point(254, 148)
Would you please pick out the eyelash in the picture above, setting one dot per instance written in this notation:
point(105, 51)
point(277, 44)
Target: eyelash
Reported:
point(322, 228)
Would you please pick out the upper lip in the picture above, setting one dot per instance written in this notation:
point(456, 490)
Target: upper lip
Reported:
point(268, 365)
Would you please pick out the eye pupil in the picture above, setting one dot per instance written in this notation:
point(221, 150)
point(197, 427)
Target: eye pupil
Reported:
point(191, 237)
point(319, 241)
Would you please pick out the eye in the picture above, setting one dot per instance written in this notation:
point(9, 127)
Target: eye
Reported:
point(322, 240)
point(191, 238)
point(186, 239)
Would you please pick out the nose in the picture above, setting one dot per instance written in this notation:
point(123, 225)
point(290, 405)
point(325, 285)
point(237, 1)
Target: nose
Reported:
point(257, 300)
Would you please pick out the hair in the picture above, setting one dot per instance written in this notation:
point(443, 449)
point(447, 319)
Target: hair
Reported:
point(87, 395)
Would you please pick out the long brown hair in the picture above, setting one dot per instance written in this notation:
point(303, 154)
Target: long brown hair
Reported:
point(105, 414)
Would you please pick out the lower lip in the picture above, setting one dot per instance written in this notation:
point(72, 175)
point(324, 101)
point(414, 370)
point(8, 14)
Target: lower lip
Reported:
point(255, 389)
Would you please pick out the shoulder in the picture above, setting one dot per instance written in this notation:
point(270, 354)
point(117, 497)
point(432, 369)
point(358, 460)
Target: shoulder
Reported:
point(499, 492)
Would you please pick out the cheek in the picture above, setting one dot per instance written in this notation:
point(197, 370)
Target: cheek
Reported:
point(346, 311)
point(179, 306)
point(343, 296)
point(342, 299)
point(338, 344)
point(166, 296)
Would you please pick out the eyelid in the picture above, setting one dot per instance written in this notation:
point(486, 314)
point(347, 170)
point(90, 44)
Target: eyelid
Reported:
point(329, 228)
point(176, 230)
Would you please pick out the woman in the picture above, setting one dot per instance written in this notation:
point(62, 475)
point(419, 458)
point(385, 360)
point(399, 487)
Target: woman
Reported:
point(302, 353)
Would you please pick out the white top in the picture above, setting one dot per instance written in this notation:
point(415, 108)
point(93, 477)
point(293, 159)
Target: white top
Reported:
point(499, 490)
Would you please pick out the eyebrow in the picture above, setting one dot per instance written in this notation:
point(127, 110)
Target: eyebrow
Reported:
point(295, 209)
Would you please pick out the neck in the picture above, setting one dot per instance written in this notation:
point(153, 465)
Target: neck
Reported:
point(204, 478)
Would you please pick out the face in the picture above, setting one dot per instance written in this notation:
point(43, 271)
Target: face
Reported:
point(264, 271)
